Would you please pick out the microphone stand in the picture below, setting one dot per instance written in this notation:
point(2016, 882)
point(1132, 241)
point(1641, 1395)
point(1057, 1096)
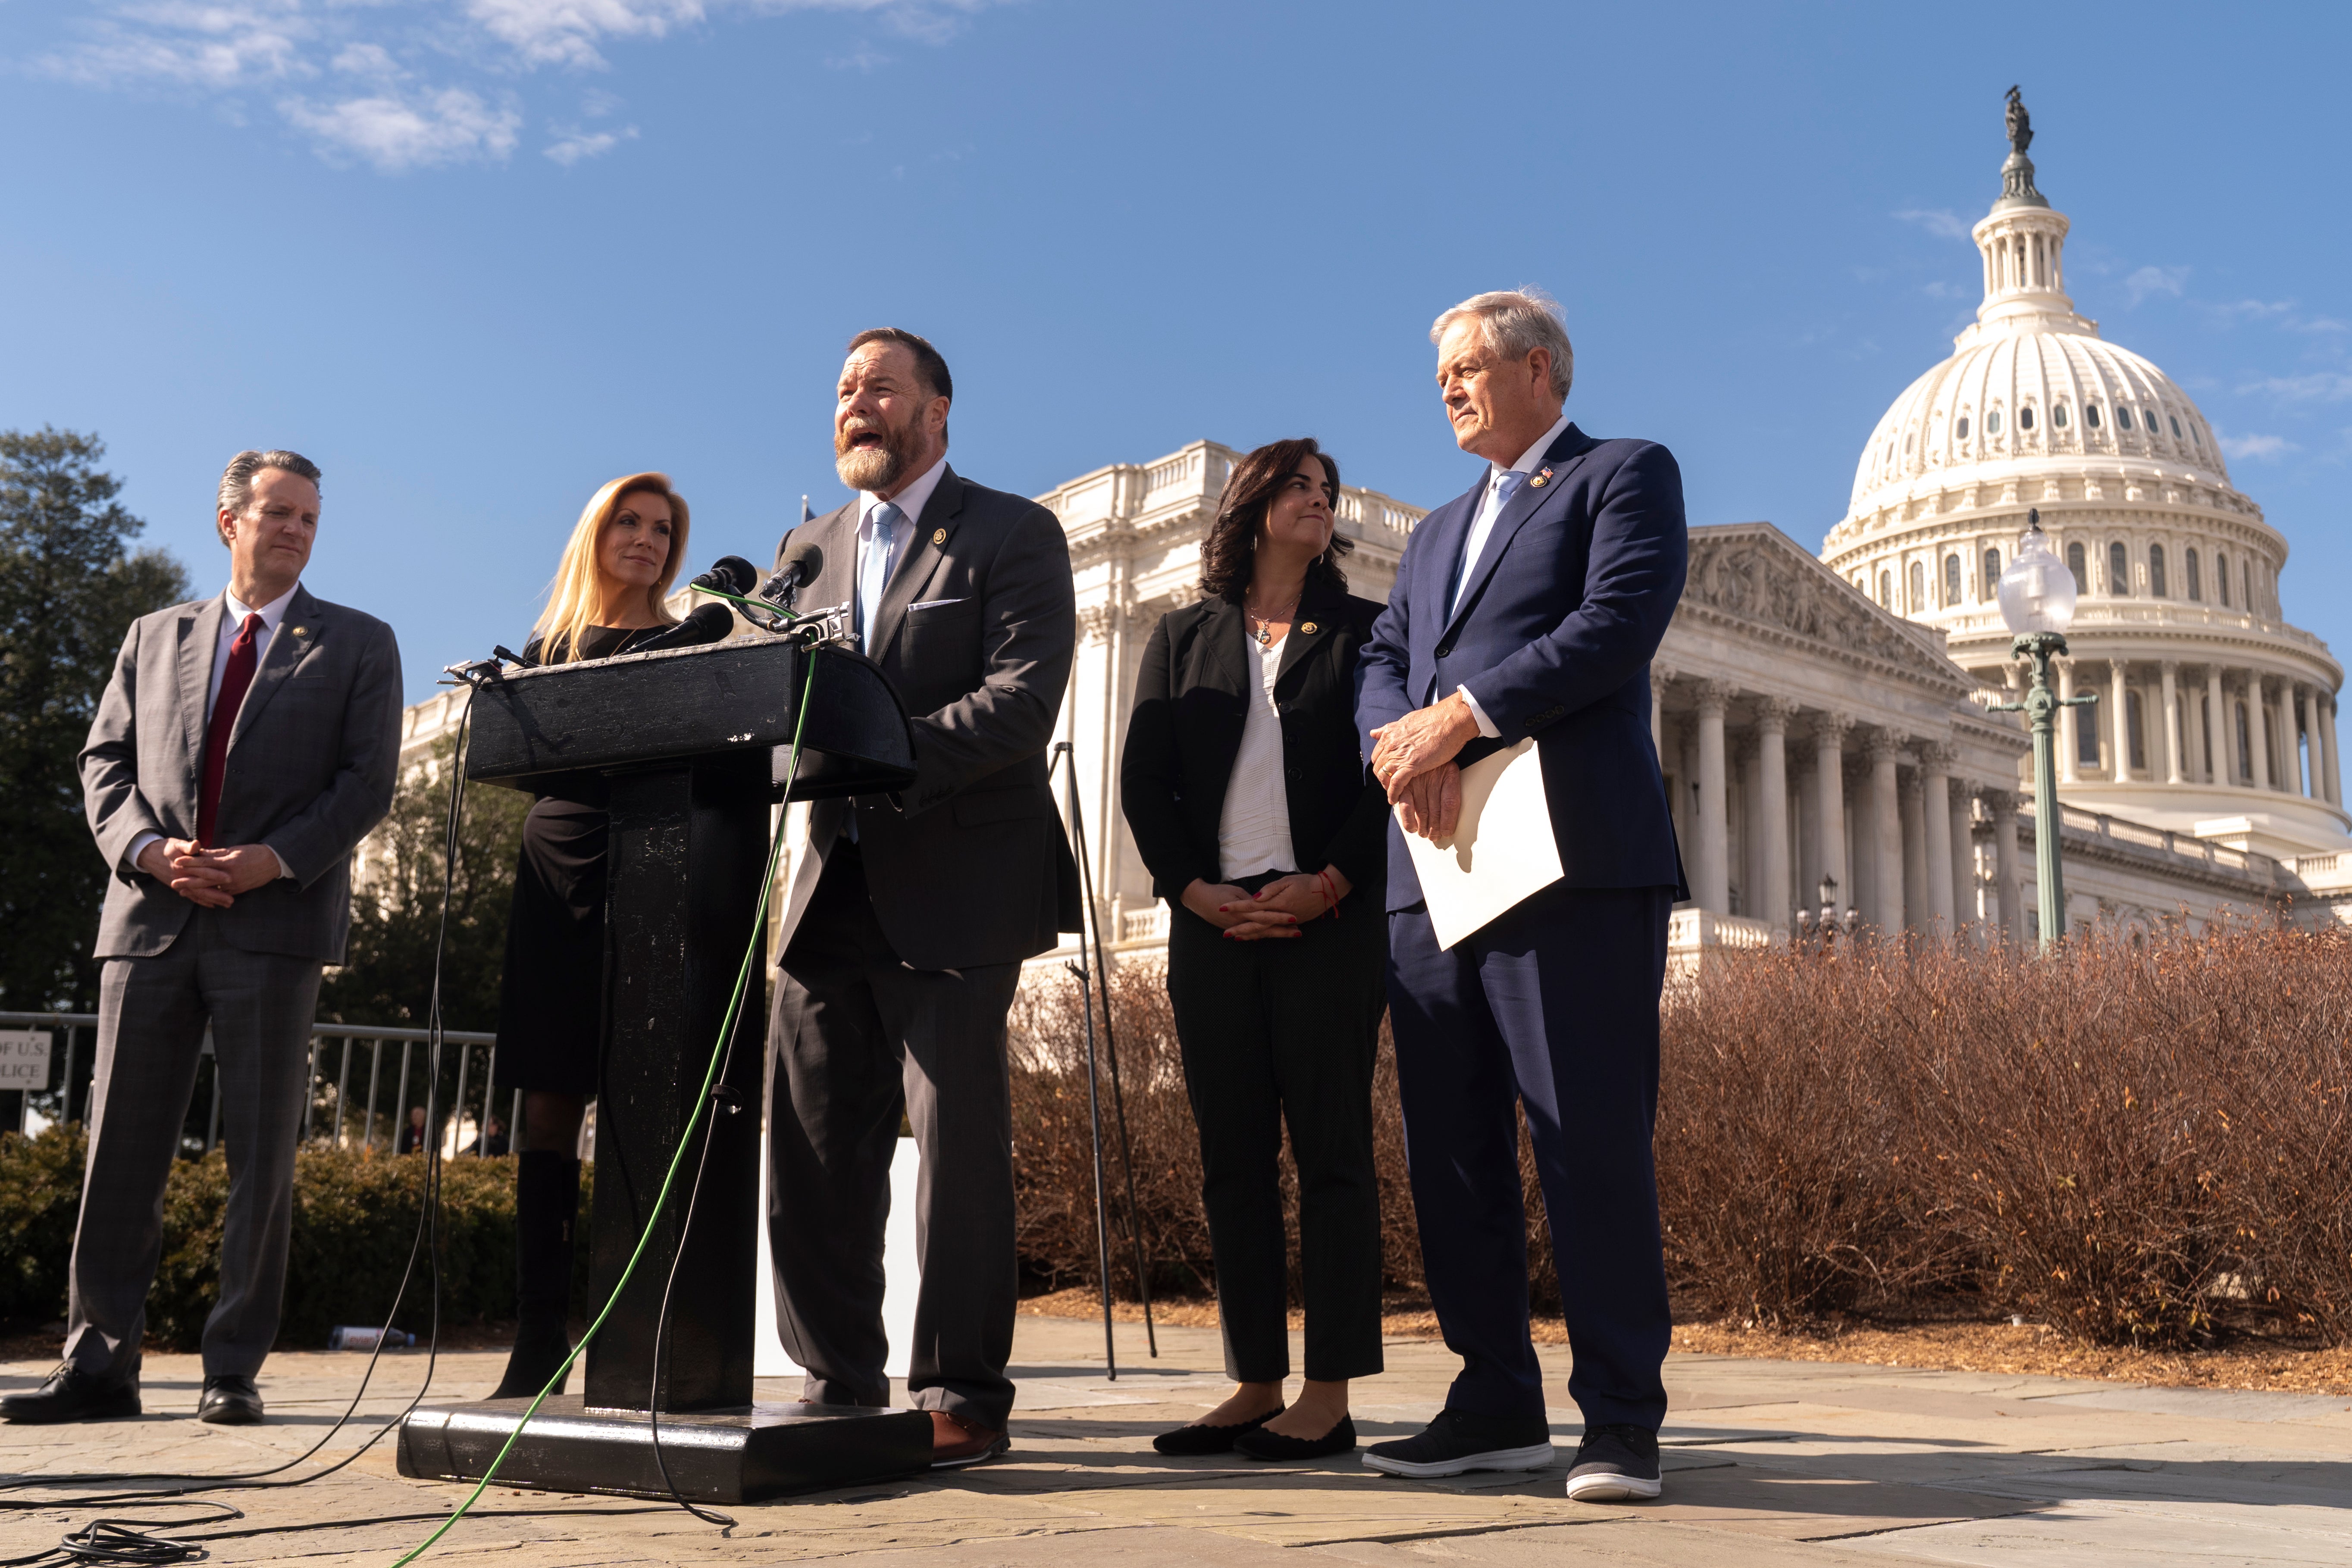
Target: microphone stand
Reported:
point(1063, 752)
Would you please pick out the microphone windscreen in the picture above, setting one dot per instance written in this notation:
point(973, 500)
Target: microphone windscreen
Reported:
point(710, 622)
point(729, 574)
point(803, 561)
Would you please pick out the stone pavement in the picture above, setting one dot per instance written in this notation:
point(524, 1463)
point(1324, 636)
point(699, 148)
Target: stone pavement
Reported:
point(1777, 1464)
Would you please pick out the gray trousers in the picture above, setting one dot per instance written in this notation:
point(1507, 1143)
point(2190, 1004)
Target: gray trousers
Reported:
point(151, 1014)
point(857, 1037)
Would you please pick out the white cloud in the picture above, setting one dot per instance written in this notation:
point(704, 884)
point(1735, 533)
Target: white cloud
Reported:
point(572, 144)
point(2320, 386)
point(2256, 448)
point(2150, 281)
point(394, 133)
point(445, 80)
point(1940, 222)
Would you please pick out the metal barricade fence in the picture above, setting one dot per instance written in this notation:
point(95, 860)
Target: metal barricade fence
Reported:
point(333, 1112)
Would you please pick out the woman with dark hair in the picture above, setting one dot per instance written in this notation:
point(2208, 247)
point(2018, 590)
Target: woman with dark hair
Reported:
point(1244, 785)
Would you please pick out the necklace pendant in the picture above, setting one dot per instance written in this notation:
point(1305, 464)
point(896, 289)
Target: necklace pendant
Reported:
point(1264, 636)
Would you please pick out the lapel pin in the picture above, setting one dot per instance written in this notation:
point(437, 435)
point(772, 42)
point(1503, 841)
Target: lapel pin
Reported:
point(1537, 482)
point(939, 536)
point(301, 631)
point(1308, 629)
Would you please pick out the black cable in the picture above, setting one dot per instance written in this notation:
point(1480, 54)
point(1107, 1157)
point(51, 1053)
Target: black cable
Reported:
point(77, 1545)
point(116, 1540)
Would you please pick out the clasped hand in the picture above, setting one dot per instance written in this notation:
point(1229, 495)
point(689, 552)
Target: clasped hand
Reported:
point(1413, 758)
point(213, 877)
point(1277, 909)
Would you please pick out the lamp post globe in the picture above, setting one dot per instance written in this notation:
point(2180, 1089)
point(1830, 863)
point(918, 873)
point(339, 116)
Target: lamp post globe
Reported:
point(2037, 592)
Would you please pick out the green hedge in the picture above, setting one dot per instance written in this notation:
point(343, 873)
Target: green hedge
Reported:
point(354, 1219)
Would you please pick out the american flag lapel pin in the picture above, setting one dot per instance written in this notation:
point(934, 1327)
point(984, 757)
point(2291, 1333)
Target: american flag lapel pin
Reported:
point(1539, 481)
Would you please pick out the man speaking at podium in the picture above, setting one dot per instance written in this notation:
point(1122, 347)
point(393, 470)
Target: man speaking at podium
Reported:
point(909, 914)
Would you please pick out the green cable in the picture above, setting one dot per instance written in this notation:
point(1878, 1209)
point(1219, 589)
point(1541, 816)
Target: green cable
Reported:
point(702, 1100)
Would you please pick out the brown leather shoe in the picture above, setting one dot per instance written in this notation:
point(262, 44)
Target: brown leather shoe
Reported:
point(956, 1443)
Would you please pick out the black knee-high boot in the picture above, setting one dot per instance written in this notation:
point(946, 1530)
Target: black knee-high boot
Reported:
point(547, 1202)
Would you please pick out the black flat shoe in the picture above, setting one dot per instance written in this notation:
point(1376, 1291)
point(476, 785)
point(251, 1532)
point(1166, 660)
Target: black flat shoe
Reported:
point(1198, 1439)
point(70, 1393)
point(230, 1400)
point(1262, 1445)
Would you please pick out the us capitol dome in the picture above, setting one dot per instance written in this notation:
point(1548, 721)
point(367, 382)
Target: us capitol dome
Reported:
point(2215, 717)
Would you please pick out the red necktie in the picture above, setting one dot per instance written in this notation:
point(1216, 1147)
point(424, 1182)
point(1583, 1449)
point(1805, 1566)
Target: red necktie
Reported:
point(234, 681)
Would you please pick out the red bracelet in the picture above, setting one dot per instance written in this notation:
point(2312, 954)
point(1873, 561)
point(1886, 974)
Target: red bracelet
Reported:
point(1330, 893)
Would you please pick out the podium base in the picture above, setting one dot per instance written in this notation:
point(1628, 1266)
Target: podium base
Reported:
point(743, 1455)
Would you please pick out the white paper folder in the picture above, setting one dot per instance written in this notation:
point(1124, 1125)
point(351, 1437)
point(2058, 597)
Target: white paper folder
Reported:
point(1502, 852)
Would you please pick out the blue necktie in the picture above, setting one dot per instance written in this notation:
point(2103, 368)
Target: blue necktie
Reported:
point(874, 566)
point(1506, 484)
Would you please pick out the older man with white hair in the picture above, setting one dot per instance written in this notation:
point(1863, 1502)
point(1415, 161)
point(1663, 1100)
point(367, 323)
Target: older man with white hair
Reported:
point(1530, 606)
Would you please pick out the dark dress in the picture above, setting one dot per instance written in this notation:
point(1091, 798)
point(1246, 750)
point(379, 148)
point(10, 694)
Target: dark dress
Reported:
point(551, 995)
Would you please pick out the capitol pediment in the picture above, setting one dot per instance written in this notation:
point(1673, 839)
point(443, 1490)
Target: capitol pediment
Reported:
point(1754, 574)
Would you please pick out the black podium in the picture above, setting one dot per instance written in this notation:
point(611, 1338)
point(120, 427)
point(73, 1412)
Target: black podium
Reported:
point(691, 746)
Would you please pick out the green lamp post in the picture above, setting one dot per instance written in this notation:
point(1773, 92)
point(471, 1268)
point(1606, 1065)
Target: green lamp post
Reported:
point(2037, 600)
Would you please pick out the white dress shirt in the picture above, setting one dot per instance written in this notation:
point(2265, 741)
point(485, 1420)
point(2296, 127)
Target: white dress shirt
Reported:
point(1254, 829)
point(1490, 507)
point(910, 502)
point(273, 614)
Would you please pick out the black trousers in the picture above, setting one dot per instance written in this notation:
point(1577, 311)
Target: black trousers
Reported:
point(855, 1039)
point(1274, 1031)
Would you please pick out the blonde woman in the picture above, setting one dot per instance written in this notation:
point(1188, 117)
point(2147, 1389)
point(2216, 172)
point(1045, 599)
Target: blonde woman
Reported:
point(607, 596)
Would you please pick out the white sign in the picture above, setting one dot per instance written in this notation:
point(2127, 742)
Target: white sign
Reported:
point(25, 1059)
point(1502, 852)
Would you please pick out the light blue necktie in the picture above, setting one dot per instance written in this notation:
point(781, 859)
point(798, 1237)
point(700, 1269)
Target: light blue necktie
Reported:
point(874, 563)
point(1499, 495)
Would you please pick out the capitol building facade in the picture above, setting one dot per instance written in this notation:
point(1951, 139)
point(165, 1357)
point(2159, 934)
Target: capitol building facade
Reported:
point(1828, 725)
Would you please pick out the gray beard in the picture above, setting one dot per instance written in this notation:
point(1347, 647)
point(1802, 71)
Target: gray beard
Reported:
point(872, 468)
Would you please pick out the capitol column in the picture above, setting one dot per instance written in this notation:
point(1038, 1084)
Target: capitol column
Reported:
point(2328, 748)
point(1885, 751)
point(2121, 730)
point(2217, 729)
point(1962, 818)
point(1772, 716)
point(2315, 787)
point(1712, 888)
point(2007, 899)
point(2068, 748)
point(2259, 734)
point(1829, 795)
point(1936, 760)
point(2172, 771)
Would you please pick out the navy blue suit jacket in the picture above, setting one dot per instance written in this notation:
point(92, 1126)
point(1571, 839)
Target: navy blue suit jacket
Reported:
point(1560, 615)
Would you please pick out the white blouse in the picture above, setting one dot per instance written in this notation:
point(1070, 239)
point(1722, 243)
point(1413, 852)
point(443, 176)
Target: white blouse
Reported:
point(1254, 833)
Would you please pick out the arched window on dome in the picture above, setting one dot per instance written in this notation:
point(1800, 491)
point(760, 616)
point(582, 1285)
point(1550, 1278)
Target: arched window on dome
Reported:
point(1961, 430)
point(2026, 417)
point(2155, 572)
point(2075, 565)
point(2122, 416)
point(1990, 582)
point(2118, 570)
point(2136, 729)
point(1908, 436)
point(2222, 577)
point(1992, 423)
point(2196, 588)
point(2173, 420)
point(1918, 587)
point(1951, 581)
point(1886, 588)
point(2199, 441)
point(2058, 416)
point(2091, 416)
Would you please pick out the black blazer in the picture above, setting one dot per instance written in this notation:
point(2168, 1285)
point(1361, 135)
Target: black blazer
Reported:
point(1190, 701)
point(968, 865)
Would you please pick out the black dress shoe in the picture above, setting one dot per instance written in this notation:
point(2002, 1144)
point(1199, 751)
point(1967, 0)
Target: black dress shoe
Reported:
point(230, 1401)
point(1197, 1438)
point(1264, 1445)
point(70, 1393)
point(1459, 1442)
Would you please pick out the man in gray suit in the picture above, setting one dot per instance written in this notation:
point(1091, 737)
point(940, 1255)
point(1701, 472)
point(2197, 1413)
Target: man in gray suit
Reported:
point(244, 747)
point(909, 915)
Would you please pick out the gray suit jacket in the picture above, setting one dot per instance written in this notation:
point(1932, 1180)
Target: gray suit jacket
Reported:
point(968, 865)
point(311, 765)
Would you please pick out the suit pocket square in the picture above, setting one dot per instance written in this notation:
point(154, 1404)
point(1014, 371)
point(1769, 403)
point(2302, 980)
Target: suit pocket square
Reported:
point(932, 605)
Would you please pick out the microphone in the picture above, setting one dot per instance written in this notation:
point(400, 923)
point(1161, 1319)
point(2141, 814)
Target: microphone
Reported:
point(710, 622)
point(729, 574)
point(803, 561)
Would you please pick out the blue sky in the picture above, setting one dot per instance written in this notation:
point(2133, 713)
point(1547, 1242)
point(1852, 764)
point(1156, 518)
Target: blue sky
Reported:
point(476, 255)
